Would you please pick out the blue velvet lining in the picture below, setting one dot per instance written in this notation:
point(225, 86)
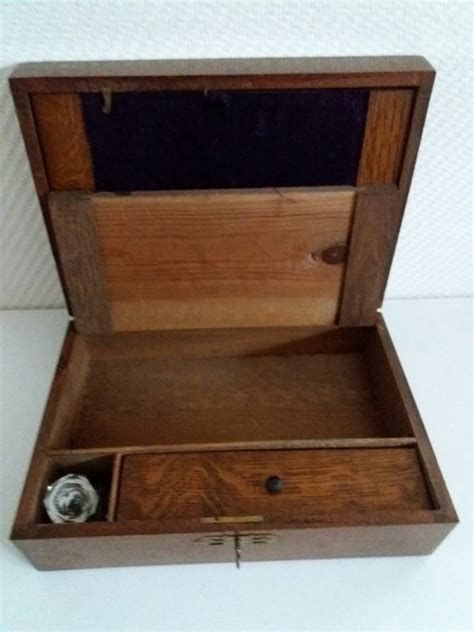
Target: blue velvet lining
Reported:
point(233, 139)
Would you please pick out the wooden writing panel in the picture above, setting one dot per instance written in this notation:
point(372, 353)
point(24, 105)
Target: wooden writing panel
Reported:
point(216, 259)
point(385, 136)
point(230, 484)
point(63, 138)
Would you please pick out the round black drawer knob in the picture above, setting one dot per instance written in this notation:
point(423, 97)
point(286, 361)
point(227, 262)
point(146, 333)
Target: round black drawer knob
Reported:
point(273, 484)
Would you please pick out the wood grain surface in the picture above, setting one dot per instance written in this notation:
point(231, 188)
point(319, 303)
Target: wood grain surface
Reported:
point(240, 341)
point(385, 136)
point(64, 142)
point(226, 400)
point(212, 259)
point(233, 484)
point(74, 227)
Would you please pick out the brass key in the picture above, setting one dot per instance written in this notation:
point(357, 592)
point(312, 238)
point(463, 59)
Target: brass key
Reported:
point(238, 550)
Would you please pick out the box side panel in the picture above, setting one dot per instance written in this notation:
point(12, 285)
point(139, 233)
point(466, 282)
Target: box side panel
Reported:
point(110, 551)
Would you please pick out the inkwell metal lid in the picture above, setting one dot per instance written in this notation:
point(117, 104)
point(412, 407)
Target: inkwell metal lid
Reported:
point(70, 498)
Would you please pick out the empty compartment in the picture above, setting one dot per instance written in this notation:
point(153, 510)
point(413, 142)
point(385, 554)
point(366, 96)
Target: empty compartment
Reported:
point(244, 388)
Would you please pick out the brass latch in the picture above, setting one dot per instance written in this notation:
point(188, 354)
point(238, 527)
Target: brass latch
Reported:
point(238, 539)
point(107, 100)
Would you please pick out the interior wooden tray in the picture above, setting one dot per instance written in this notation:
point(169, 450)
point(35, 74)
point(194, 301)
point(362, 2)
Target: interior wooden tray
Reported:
point(197, 390)
point(330, 397)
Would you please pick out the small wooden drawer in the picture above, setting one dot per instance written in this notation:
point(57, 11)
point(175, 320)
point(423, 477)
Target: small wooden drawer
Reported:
point(306, 483)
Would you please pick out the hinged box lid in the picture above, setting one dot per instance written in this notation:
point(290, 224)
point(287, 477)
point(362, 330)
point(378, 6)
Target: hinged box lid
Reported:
point(230, 193)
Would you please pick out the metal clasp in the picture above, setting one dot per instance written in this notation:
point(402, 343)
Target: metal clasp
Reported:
point(238, 540)
point(107, 97)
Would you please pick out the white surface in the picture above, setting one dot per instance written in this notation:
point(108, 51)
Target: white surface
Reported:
point(433, 338)
point(436, 235)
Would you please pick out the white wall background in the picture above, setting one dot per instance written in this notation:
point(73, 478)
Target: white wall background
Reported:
point(433, 257)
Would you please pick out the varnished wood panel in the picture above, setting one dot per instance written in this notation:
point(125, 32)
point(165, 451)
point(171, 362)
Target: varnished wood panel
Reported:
point(324, 519)
point(199, 74)
point(100, 551)
point(63, 140)
point(210, 259)
point(233, 484)
point(76, 235)
point(227, 400)
point(222, 259)
point(386, 131)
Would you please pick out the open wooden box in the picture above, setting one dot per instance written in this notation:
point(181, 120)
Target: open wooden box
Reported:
point(224, 232)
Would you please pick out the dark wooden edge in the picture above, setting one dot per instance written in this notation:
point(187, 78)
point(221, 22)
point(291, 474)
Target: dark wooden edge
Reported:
point(220, 73)
point(73, 221)
point(433, 475)
point(378, 215)
point(29, 131)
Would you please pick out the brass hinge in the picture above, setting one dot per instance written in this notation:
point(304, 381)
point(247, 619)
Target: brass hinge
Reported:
point(107, 100)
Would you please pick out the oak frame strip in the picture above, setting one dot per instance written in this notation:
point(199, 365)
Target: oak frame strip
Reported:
point(64, 141)
point(386, 128)
point(74, 226)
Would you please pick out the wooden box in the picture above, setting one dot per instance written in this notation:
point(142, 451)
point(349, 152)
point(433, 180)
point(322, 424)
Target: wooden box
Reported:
point(224, 232)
